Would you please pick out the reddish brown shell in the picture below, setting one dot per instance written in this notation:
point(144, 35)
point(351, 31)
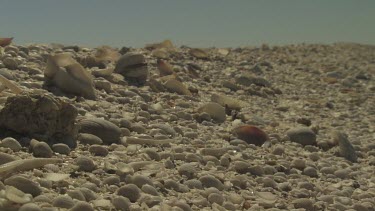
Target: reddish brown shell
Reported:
point(164, 67)
point(251, 134)
point(5, 41)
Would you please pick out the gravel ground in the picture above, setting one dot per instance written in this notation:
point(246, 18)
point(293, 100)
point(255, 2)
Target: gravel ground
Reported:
point(179, 128)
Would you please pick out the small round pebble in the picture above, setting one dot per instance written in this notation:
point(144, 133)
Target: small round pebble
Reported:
point(11, 143)
point(140, 180)
point(152, 154)
point(268, 182)
point(111, 180)
point(342, 173)
point(85, 164)
point(188, 170)
point(63, 201)
point(98, 150)
point(304, 203)
point(24, 184)
point(171, 184)
point(130, 191)
point(299, 164)
point(310, 171)
point(210, 181)
point(76, 194)
point(216, 198)
point(302, 135)
point(82, 206)
point(278, 150)
point(121, 203)
point(194, 184)
point(61, 148)
point(86, 138)
point(42, 150)
point(150, 190)
point(29, 207)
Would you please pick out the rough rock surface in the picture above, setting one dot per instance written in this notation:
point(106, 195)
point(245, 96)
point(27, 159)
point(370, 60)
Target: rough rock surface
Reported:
point(40, 116)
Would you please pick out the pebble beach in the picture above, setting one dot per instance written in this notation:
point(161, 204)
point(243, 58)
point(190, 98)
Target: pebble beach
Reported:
point(168, 127)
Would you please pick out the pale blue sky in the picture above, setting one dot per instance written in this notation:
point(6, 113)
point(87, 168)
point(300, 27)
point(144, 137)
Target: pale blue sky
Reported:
point(204, 23)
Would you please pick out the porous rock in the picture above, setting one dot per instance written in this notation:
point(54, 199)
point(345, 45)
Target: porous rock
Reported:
point(43, 117)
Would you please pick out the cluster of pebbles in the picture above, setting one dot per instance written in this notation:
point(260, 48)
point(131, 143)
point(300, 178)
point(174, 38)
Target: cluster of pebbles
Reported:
point(166, 128)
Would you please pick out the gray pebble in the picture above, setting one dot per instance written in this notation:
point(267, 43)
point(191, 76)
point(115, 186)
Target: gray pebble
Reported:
point(304, 203)
point(136, 127)
point(125, 123)
point(85, 164)
point(140, 180)
point(241, 167)
point(306, 185)
point(61, 148)
point(256, 170)
point(107, 131)
point(85, 138)
point(125, 131)
point(210, 181)
point(150, 190)
point(42, 149)
point(302, 135)
point(130, 191)
point(194, 184)
point(152, 154)
point(215, 110)
point(42, 199)
point(167, 129)
point(11, 143)
point(111, 180)
point(82, 206)
point(24, 184)
point(121, 203)
point(188, 170)
point(169, 164)
point(89, 194)
point(191, 135)
point(63, 201)
point(98, 150)
point(299, 163)
point(310, 171)
point(269, 170)
point(171, 184)
point(216, 198)
point(229, 206)
point(268, 182)
point(326, 198)
point(45, 183)
point(6, 158)
point(29, 207)
point(327, 170)
point(346, 148)
point(278, 150)
point(342, 173)
point(285, 186)
point(92, 186)
point(76, 194)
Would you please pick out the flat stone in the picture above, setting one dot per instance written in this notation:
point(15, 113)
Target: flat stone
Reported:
point(302, 135)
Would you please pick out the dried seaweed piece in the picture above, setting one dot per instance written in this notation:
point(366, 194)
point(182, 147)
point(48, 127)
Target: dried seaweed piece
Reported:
point(25, 165)
point(13, 87)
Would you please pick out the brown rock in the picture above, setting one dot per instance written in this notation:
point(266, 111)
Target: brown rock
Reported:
point(251, 134)
point(5, 41)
